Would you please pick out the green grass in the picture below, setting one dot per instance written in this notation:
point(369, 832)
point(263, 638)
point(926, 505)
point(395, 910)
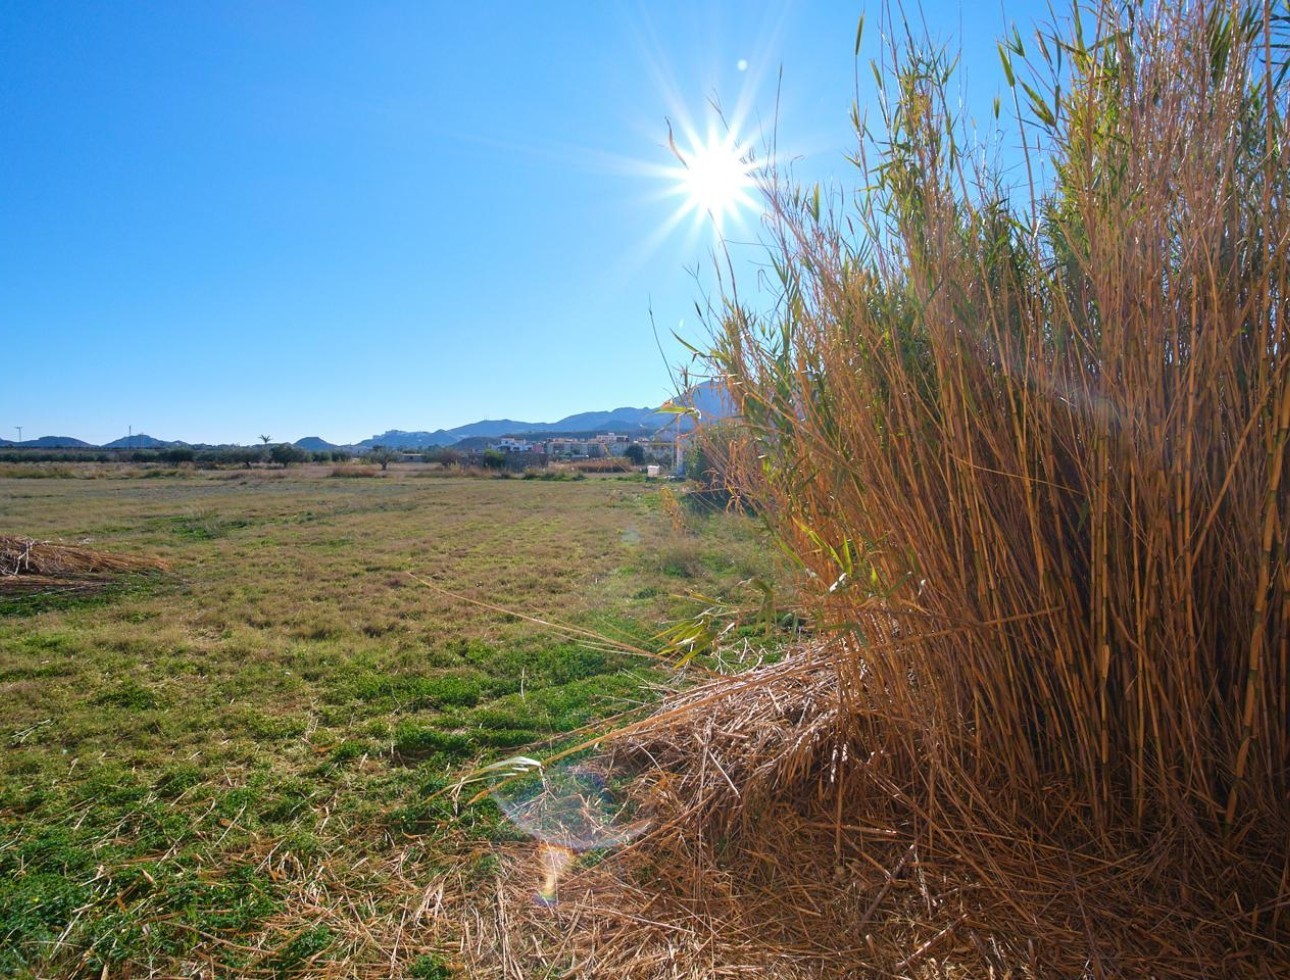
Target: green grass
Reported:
point(187, 761)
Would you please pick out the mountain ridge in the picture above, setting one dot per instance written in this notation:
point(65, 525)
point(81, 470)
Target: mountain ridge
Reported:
point(705, 401)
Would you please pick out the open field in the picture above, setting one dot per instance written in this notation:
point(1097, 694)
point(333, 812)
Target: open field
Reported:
point(226, 769)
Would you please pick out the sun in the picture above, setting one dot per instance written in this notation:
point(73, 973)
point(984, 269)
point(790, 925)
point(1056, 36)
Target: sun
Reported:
point(709, 180)
point(714, 175)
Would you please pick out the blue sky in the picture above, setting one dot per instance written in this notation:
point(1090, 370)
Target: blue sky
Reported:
point(223, 219)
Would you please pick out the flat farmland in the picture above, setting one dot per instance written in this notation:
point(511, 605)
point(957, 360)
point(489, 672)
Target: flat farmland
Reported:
point(229, 769)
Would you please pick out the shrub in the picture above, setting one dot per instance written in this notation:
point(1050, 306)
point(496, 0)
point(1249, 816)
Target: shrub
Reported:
point(243, 456)
point(284, 454)
point(384, 456)
point(444, 457)
point(608, 464)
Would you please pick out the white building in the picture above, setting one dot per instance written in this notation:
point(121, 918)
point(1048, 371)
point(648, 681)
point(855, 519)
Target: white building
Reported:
point(509, 445)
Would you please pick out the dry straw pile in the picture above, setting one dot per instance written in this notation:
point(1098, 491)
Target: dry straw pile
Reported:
point(1033, 458)
point(27, 565)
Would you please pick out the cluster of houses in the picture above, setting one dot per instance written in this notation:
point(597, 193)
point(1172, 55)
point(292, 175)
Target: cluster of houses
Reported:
point(591, 447)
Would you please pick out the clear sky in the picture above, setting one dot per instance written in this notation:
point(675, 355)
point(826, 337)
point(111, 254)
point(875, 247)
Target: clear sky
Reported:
point(223, 219)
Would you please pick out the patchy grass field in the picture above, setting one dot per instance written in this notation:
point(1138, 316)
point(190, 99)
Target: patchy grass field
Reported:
point(227, 770)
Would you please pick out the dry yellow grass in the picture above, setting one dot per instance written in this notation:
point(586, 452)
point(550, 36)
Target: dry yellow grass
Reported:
point(230, 769)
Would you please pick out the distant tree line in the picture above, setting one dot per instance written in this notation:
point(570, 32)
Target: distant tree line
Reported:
point(285, 454)
point(282, 454)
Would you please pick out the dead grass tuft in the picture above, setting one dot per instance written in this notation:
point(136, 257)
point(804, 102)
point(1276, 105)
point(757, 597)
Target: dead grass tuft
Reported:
point(355, 471)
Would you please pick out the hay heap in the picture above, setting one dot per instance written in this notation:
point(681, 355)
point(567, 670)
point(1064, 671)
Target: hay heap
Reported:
point(28, 565)
point(783, 846)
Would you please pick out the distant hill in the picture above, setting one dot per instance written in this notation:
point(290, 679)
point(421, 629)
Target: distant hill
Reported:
point(616, 420)
point(315, 444)
point(53, 442)
point(140, 441)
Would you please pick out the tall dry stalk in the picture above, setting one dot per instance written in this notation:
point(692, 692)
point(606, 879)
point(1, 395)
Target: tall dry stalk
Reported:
point(1032, 448)
point(1031, 451)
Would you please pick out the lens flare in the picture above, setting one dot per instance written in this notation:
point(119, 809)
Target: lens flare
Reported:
point(569, 808)
point(555, 861)
point(572, 805)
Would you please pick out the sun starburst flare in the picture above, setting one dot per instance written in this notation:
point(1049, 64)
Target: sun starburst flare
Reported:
point(715, 176)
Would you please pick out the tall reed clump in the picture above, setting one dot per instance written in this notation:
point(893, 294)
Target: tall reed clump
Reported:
point(1031, 445)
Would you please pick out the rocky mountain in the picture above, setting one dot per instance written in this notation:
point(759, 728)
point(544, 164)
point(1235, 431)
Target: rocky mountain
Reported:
point(398, 439)
point(707, 399)
point(709, 402)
